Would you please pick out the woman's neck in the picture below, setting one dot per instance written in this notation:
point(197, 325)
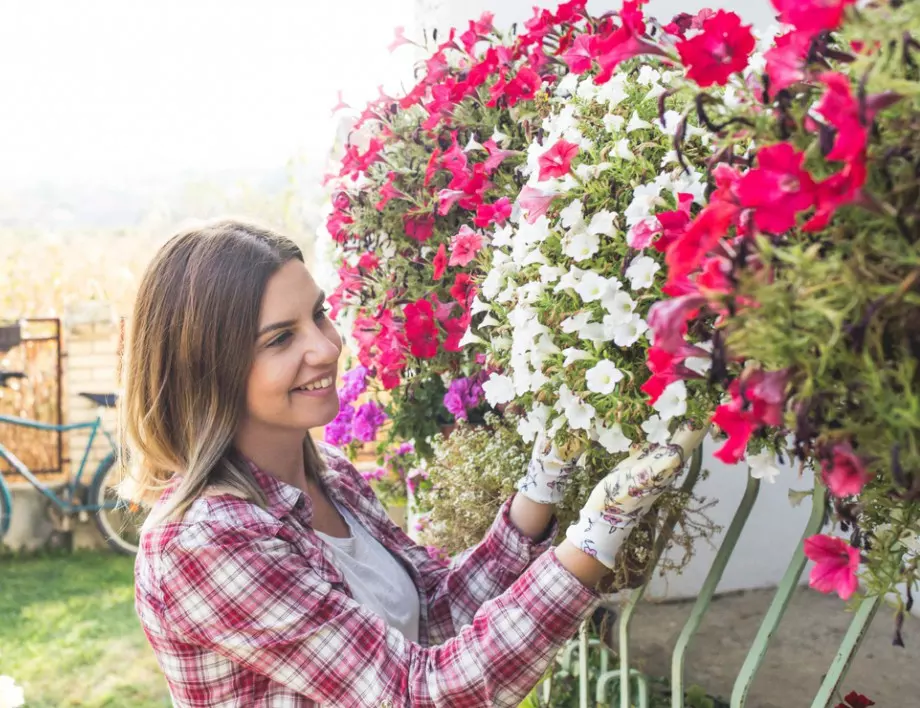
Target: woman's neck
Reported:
point(280, 453)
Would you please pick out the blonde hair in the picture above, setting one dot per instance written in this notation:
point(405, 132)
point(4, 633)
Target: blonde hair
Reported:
point(189, 350)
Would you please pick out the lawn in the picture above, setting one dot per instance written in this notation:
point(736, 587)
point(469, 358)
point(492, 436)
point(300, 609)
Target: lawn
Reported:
point(69, 635)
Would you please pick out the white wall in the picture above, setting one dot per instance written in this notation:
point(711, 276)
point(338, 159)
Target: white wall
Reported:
point(444, 14)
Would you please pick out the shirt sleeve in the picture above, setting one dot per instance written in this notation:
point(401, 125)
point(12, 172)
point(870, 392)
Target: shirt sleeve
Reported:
point(248, 595)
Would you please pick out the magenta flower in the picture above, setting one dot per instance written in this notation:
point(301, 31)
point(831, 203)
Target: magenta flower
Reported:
point(844, 472)
point(836, 563)
point(368, 419)
point(778, 189)
point(557, 161)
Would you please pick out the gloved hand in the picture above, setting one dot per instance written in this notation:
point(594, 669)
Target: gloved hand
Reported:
point(624, 496)
point(548, 471)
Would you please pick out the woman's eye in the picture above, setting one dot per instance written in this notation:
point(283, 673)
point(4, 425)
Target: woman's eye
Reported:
point(321, 314)
point(280, 339)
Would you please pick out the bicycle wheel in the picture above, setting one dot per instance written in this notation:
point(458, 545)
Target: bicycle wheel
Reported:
point(119, 520)
point(6, 507)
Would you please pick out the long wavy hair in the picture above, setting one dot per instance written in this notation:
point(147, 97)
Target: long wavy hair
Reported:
point(189, 350)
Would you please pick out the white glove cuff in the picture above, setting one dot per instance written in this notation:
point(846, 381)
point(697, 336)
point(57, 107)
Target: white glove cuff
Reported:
point(547, 476)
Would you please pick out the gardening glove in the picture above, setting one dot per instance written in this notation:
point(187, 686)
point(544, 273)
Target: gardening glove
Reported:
point(548, 471)
point(624, 496)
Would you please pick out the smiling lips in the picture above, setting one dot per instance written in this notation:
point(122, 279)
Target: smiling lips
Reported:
point(317, 385)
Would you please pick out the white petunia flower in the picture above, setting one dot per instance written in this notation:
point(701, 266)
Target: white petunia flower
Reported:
point(645, 198)
point(636, 123)
point(579, 245)
point(612, 437)
point(603, 377)
point(613, 92)
point(623, 150)
point(641, 272)
point(11, 695)
point(602, 223)
point(613, 123)
point(656, 430)
point(478, 306)
point(592, 286)
point(575, 322)
point(587, 90)
point(628, 333)
point(572, 354)
point(493, 283)
point(570, 280)
point(550, 274)
point(498, 389)
point(654, 92)
point(763, 466)
point(579, 414)
point(503, 236)
point(597, 332)
point(620, 307)
point(470, 338)
point(673, 400)
point(500, 138)
point(473, 145)
point(671, 121)
point(573, 215)
point(700, 364)
point(568, 85)
point(648, 75)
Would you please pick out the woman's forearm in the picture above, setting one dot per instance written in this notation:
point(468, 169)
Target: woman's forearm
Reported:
point(531, 518)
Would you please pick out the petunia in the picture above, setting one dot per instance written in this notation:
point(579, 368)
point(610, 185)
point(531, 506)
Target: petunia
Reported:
point(721, 49)
point(836, 563)
point(844, 472)
point(498, 389)
point(778, 189)
point(464, 246)
point(440, 262)
point(603, 377)
point(535, 202)
point(557, 161)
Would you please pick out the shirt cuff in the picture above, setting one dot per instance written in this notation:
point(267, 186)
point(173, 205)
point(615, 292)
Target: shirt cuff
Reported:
point(515, 550)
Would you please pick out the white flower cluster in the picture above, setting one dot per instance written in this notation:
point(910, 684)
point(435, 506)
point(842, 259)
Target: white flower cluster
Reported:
point(528, 274)
point(11, 695)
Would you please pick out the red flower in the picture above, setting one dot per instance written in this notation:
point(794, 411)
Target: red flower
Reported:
point(523, 87)
point(368, 261)
point(421, 329)
point(758, 399)
point(497, 213)
point(855, 700)
point(668, 320)
point(580, 55)
point(465, 246)
point(836, 563)
point(556, 161)
point(454, 160)
point(434, 163)
point(668, 226)
point(496, 156)
point(388, 192)
point(786, 60)
point(687, 251)
point(463, 289)
point(843, 472)
point(720, 50)
point(668, 367)
point(738, 427)
point(626, 42)
point(535, 202)
point(778, 189)
point(812, 16)
point(836, 191)
point(418, 227)
point(839, 108)
point(390, 365)
point(456, 327)
point(440, 262)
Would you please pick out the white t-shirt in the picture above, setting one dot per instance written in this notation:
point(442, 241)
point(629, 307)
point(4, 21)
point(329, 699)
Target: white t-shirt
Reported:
point(377, 580)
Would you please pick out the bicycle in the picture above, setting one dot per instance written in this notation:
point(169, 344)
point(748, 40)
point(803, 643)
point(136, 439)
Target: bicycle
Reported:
point(119, 521)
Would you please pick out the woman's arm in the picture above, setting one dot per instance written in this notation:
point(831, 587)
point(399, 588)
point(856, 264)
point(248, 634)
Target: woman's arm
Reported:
point(250, 597)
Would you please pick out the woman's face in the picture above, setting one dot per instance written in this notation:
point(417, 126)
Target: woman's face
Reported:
point(292, 383)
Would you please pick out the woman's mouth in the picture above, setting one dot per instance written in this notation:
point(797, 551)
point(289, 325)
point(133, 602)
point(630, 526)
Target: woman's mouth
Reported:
point(320, 387)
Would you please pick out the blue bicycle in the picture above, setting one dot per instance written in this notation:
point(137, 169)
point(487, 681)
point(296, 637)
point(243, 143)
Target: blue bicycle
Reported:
point(118, 520)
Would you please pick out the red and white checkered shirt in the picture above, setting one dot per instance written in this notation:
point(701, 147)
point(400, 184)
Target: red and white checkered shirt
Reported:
point(244, 607)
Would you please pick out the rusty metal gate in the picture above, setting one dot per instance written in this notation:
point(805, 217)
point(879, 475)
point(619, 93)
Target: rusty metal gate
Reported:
point(33, 347)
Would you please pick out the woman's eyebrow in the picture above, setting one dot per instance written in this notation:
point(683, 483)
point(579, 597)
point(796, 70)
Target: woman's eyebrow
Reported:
point(290, 323)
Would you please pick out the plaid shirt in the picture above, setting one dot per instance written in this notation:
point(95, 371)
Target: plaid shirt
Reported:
point(244, 607)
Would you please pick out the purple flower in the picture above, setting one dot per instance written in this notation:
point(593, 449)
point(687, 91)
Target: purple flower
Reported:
point(407, 448)
point(464, 394)
point(369, 417)
point(354, 383)
point(339, 431)
point(375, 475)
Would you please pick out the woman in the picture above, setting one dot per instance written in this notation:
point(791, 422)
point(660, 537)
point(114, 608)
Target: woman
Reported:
point(268, 573)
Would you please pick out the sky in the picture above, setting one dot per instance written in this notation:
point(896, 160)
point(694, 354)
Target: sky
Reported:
point(103, 91)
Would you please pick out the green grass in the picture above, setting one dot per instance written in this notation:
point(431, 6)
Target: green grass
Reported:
point(69, 634)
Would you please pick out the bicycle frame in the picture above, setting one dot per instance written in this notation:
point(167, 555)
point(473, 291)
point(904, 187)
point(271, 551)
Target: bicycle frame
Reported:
point(73, 483)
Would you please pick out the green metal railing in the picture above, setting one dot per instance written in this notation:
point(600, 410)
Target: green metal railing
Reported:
point(635, 691)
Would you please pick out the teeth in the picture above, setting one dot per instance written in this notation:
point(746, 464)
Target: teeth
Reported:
point(322, 383)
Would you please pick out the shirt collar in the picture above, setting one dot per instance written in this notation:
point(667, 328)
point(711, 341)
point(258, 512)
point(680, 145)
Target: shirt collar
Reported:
point(283, 498)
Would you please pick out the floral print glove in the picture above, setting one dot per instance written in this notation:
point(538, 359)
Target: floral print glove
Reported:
point(626, 494)
point(548, 472)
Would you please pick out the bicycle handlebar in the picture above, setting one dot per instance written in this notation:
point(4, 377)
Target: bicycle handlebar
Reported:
point(5, 376)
